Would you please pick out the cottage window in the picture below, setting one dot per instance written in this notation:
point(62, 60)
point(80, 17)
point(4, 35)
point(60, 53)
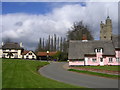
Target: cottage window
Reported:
point(117, 59)
point(26, 57)
point(94, 60)
point(32, 57)
point(99, 50)
point(30, 53)
point(110, 59)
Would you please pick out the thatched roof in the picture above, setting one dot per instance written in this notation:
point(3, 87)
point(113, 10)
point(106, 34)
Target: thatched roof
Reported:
point(116, 41)
point(77, 48)
point(11, 46)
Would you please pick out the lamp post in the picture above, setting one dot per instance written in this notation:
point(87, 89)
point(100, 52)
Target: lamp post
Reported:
point(47, 55)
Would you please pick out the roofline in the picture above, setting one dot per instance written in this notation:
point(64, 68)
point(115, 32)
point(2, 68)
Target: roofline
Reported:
point(12, 48)
point(30, 51)
point(117, 48)
point(91, 41)
point(108, 55)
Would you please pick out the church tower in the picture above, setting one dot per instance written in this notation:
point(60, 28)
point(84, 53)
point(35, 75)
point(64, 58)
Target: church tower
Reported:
point(106, 29)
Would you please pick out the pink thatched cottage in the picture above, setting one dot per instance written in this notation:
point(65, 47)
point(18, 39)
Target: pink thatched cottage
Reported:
point(105, 51)
point(93, 53)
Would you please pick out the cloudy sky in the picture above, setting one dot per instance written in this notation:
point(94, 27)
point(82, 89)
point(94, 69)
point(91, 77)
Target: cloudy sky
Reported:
point(28, 21)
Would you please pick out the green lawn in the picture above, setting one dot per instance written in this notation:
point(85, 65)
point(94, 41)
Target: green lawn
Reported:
point(96, 73)
point(111, 68)
point(23, 74)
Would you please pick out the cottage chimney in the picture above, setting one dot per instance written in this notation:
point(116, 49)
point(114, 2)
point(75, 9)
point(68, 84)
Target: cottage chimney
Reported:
point(2, 43)
point(21, 44)
point(84, 38)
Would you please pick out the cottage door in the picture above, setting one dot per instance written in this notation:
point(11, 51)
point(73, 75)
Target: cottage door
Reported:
point(101, 62)
point(86, 61)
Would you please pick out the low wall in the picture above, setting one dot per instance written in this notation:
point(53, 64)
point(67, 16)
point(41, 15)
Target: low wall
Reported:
point(76, 63)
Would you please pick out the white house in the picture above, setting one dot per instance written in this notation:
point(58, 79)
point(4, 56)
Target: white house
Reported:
point(15, 50)
point(11, 50)
point(29, 55)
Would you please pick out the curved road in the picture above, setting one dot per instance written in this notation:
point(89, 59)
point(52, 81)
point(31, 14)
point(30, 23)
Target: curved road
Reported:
point(56, 71)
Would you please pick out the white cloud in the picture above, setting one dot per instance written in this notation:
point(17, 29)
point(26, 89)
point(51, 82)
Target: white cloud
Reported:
point(28, 28)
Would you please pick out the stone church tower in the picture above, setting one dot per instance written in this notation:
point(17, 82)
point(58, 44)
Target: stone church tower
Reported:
point(106, 29)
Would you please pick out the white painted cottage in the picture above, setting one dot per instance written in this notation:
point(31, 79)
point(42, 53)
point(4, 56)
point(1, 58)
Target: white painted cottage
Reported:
point(15, 50)
point(29, 55)
point(11, 50)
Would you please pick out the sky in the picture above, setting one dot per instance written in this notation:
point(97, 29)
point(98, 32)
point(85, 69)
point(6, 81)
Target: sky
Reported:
point(28, 21)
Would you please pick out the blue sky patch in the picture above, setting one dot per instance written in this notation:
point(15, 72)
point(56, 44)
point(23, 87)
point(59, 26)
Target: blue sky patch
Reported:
point(34, 7)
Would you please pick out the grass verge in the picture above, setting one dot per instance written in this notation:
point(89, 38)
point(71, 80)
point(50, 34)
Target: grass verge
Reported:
point(23, 74)
point(96, 73)
point(106, 67)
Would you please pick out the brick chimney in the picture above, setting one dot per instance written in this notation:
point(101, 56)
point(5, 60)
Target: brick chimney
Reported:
point(84, 38)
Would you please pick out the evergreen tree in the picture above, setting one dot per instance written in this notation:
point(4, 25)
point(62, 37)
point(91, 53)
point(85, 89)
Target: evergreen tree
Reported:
point(61, 44)
point(46, 45)
point(49, 43)
point(39, 47)
point(43, 46)
point(58, 45)
point(54, 42)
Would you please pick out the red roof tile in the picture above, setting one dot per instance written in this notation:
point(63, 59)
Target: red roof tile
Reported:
point(45, 53)
point(25, 52)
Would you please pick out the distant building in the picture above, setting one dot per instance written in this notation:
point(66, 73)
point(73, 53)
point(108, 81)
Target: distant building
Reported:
point(45, 55)
point(105, 51)
point(29, 55)
point(106, 29)
point(93, 53)
point(11, 50)
point(15, 50)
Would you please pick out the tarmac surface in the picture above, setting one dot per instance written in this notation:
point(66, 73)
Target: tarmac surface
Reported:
point(58, 71)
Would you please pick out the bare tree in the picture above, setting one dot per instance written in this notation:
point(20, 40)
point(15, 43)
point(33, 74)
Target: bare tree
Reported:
point(78, 30)
point(65, 46)
point(7, 40)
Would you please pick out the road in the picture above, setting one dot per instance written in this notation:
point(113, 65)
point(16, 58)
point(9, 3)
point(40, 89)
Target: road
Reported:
point(56, 71)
